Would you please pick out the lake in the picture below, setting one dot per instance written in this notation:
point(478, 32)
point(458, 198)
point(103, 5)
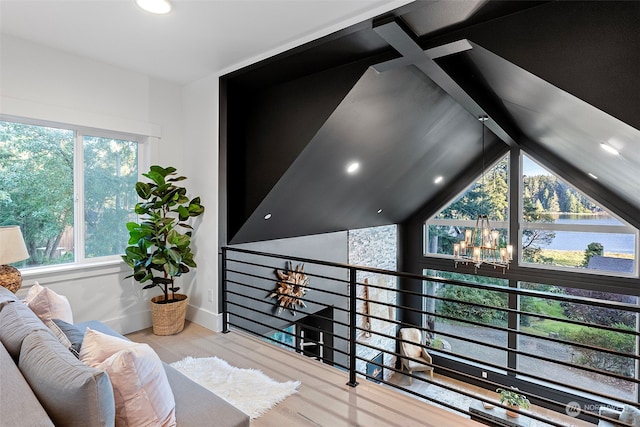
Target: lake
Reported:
point(572, 241)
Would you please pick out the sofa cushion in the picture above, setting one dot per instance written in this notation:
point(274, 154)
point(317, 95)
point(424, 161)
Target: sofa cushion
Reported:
point(16, 322)
point(143, 396)
point(72, 393)
point(18, 404)
point(6, 296)
point(47, 304)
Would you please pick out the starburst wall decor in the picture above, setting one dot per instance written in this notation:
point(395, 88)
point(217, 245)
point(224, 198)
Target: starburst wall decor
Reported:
point(290, 288)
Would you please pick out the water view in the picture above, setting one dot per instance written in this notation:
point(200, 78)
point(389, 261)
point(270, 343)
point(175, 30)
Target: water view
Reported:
point(578, 241)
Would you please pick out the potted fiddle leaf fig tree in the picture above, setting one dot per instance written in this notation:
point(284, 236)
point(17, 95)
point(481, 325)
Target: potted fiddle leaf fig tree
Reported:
point(159, 248)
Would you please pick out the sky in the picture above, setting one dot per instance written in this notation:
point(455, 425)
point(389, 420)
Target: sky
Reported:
point(531, 168)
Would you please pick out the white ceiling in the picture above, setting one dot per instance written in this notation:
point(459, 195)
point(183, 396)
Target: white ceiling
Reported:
point(197, 38)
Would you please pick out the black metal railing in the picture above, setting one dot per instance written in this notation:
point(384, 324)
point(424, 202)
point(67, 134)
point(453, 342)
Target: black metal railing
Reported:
point(332, 327)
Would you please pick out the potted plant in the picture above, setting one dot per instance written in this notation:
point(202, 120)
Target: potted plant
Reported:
point(513, 399)
point(159, 248)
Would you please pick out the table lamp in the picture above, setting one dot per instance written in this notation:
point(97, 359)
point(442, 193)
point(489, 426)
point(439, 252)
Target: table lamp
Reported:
point(12, 249)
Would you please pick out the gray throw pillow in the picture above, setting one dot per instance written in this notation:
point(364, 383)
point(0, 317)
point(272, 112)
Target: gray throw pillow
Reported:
point(74, 334)
point(16, 322)
point(630, 415)
point(72, 393)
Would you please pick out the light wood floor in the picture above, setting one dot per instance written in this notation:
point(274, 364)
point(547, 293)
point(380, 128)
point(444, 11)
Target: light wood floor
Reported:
point(323, 399)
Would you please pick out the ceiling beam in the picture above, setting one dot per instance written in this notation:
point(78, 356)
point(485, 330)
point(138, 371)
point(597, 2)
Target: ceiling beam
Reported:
point(401, 40)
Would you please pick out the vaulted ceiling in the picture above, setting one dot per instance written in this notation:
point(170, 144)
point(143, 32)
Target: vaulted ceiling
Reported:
point(402, 94)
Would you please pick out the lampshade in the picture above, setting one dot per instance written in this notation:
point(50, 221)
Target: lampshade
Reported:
point(12, 247)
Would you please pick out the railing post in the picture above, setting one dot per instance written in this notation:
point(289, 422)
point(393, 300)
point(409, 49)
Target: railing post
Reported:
point(225, 313)
point(352, 326)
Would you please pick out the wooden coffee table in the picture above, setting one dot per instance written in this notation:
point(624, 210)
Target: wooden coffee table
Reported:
point(496, 416)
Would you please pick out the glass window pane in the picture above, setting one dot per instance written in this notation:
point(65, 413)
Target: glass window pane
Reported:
point(36, 189)
point(614, 252)
point(454, 306)
point(576, 233)
point(488, 195)
point(557, 338)
point(110, 176)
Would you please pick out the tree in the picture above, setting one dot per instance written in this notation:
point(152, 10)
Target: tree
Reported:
point(532, 240)
point(36, 178)
point(599, 315)
point(593, 249)
point(554, 204)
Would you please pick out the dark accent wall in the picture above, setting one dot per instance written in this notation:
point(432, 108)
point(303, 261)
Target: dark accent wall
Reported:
point(270, 126)
point(332, 247)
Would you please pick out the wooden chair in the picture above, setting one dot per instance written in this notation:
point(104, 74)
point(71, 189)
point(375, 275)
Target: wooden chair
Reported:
point(411, 347)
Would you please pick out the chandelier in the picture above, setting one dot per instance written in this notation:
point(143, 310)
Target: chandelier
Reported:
point(482, 244)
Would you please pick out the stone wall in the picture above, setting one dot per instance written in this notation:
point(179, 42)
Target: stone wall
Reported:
point(376, 247)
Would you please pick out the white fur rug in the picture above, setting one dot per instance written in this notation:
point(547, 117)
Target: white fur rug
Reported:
point(249, 390)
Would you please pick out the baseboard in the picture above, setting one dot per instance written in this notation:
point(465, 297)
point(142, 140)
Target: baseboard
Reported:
point(130, 323)
point(134, 322)
point(205, 318)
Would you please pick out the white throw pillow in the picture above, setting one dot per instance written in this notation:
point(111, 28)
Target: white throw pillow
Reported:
point(47, 304)
point(141, 389)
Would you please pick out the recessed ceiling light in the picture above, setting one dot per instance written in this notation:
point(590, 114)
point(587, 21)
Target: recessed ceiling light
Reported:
point(353, 167)
point(609, 149)
point(159, 7)
point(592, 175)
point(267, 216)
point(438, 179)
point(379, 211)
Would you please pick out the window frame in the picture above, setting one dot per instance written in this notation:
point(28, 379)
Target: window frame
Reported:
point(79, 132)
point(624, 228)
point(467, 222)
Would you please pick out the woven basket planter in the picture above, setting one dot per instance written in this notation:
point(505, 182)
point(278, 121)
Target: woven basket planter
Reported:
point(168, 319)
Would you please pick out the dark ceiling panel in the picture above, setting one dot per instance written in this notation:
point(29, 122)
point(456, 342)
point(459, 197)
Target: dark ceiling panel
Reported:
point(402, 128)
point(545, 63)
point(565, 125)
point(590, 49)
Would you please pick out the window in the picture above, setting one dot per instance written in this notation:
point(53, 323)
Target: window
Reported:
point(563, 228)
point(457, 315)
point(71, 190)
point(574, 335)
point(488, 195)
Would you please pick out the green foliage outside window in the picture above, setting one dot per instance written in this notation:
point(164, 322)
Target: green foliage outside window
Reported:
point(37, 191)
point(36, 186)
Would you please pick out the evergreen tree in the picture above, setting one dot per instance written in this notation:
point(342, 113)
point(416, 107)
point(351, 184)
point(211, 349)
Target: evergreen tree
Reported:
point(593, 249)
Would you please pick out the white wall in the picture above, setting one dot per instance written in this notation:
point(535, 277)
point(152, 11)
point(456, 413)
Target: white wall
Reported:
point(200, 100)
point(47, 84)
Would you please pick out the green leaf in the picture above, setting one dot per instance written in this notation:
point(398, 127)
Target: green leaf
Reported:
point(182, 241)
point(134, 253)
point(178, 178)
point(159, 259)
point(175, 256)
point(162, 280)
point(183, 213)
point(144, 190)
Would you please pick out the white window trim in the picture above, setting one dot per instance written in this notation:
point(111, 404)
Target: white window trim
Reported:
point(80, 262)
